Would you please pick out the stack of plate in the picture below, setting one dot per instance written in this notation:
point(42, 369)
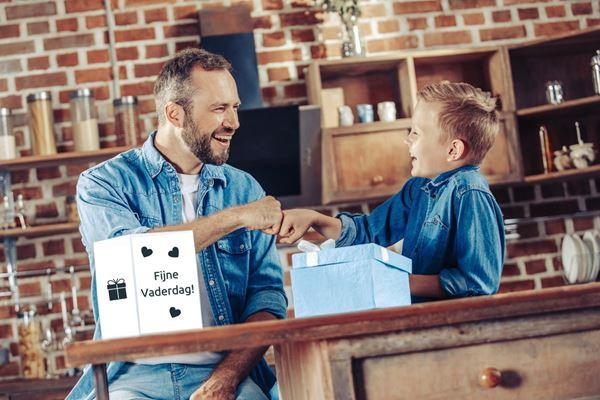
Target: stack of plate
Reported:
point(581, 257)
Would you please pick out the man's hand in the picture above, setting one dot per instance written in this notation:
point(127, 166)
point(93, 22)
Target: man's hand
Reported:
point(216, 388)
point(264, 214)
point(295, 224)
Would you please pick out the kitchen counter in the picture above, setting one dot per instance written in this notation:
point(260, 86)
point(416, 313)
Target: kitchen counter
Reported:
point(530, 344)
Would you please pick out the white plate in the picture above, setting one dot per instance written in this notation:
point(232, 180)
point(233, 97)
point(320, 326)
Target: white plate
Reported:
point(584, 258)
point(592, 239)
point(569, 255)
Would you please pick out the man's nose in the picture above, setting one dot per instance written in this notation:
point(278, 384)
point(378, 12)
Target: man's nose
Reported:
point(231, 120)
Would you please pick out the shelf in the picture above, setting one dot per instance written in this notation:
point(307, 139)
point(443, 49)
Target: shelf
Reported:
point(554, 176)
point(548, 108)
point(368, 127)
point(63, 158)
point(40, 230)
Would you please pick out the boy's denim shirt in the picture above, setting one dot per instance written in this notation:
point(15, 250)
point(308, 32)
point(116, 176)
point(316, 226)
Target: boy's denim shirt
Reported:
point(139, 190)
point(451, 226)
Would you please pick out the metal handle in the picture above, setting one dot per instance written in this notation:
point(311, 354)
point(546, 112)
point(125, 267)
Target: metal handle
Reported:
point(490, 378)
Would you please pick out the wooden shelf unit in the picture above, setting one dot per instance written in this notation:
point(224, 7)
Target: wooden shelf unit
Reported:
point(593, 170)
point(553, 108)
point(40, 230)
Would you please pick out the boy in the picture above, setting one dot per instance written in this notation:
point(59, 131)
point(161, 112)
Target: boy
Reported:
point(450, 222)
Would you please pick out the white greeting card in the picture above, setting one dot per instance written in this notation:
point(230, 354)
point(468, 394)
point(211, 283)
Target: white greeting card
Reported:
point(147, 283)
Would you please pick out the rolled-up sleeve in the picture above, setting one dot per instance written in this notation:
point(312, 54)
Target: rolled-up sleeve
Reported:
point(479, 247)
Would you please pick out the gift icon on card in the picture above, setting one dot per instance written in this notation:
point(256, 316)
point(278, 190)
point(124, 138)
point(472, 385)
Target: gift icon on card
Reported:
point(116, 289)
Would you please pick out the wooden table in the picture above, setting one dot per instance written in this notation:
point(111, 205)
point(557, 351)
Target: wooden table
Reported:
point(524, 345)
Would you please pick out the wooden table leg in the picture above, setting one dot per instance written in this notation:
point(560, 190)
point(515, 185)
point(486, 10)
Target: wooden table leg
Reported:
point(101, 381)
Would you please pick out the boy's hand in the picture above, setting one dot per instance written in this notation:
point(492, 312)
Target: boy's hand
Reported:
point(295, 224)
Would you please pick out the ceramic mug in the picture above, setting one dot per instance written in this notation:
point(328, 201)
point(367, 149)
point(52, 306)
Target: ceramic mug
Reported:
point(386, 111)
point(365, 112)
point(346, 117)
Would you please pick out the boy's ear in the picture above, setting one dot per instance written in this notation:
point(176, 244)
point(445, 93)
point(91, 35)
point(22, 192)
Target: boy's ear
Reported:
point(175, 114)
point(457, 150)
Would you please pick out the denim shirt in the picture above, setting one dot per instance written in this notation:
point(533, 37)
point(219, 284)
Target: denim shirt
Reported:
point(139, 190)
point(451, 226)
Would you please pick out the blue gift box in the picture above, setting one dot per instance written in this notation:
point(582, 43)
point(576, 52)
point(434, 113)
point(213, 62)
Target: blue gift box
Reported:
point(349, 279)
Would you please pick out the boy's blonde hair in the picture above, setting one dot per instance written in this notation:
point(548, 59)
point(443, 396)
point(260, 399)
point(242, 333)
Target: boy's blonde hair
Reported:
point(468, 113)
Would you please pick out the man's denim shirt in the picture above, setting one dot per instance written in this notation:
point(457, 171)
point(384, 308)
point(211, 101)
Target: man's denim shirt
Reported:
point(139, 190)
point(451, 226)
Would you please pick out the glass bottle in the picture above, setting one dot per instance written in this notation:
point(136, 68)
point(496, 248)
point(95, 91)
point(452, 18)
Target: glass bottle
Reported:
point(30, 338)
point(596, 72)
point(41, 123)
point(8, 148)
point(84, 120)
point(127, 121)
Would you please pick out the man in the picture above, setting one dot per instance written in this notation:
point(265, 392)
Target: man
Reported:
point(179, 180)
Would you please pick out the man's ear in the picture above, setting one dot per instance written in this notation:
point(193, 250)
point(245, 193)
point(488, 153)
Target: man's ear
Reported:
point(174, 114)
point(457, 150)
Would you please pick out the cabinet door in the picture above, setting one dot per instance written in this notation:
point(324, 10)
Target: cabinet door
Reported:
point(364, 165)
point(502, 162)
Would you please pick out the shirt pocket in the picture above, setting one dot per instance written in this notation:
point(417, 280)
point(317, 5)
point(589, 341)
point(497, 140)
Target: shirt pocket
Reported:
point(233, 252)
point(434, 244)
point(150, 222)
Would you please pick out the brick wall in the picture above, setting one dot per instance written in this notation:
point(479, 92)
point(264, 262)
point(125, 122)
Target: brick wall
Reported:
point(63, 45)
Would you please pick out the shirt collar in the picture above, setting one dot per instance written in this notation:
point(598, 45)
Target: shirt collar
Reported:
point(433, 185)
point(154, 162)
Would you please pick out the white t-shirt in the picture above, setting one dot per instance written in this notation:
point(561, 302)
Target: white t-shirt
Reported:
point(189, 192)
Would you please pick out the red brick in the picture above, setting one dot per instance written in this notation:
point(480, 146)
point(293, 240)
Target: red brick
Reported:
point(137, 89)
point(131, 35)
point(9, 66)
point(38, 81)
point(555, 28)
point(474, 19)
point(156, 14)
point(19, 176)
point(463, 4)
point(509, 32)
point(555, 11)
point(268, 57)
point(30, 289)
point(554, 281)
point(73, 6)
point(512, 2)
point(299, 18)
point(581, 8)
point(9, 31)
point(528, 231)
point(583, 224)
point(10, 369)
point(511, 269)
point(97, 56)
point(294, 91)
point(373, 10)
point(388, 26)
point(185, 12)
point(38, 63)
point(131, 3)
point(519, 249)
point(445, 21)
point(303, 35)
point(11, 101)
point(554, 208)
point(156, 51)
point(61, 285)
point(16, 48)
point(414, 7)
point(54, 247)
point(278, 74)
point(262, 22)
point(501, 16)
point(417, 23)
point(93, 75)
point(67, 60)
point(67, 24)
point(95, 21)
point(268, 93)
point(25, 251)
point(272, 5)
point(68, 42)
point(77, 246)
point(31, 10)
point(186, 44)
point(76, 169)
point(36, 265)
point(181, 30)
point(391, 44)
point(528, 13)
point(44, 173)
point(64, 189)
point(46, 210)
point(516, 286)
point(126, 18)
point(7, 312)
point(555, 227)
point(127, 53)
point(273, 39)
point(535, 267)
point(447, 38)
point(142, 70)
point(6, 333)
point(593, 22)
point(3, 85)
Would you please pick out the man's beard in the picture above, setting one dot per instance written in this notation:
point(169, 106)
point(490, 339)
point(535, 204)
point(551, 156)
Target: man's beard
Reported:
point(199, 144)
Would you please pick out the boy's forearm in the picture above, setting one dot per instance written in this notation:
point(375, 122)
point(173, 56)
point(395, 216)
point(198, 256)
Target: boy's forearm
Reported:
point(426, 286)
point(329, 227)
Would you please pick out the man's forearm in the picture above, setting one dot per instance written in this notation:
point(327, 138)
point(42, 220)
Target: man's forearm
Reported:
point(208, 229)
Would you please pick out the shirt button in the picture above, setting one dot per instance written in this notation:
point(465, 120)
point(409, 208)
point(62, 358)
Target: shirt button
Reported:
point(221, 318)
point(211, 282)
point(241, 247)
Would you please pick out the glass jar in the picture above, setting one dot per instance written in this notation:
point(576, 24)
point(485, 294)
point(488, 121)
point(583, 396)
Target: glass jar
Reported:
point(41, 123)
point(127, 121)
point(30, 338)
point(84, 120)
point(596, 72)
point(8, 147)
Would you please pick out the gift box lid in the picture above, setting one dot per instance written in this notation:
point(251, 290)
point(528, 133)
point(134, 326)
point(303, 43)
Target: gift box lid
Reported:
point(352, 253)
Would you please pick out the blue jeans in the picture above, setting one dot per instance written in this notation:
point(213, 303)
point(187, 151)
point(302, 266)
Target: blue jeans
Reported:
point(169, 381)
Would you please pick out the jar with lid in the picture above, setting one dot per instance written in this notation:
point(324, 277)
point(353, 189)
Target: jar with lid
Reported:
point(84, 120)
point(8, 147)
point(127, 121)
point(41, 123)
point(30, 350)
point(596, 72)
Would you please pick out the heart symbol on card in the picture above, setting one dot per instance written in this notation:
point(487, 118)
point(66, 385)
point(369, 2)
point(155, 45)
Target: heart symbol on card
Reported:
point(175, 312)
point(146, 252)
point(174, 253)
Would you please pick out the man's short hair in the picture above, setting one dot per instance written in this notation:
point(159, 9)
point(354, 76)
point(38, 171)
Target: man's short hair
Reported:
point(173, 81)
point(468, 113)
